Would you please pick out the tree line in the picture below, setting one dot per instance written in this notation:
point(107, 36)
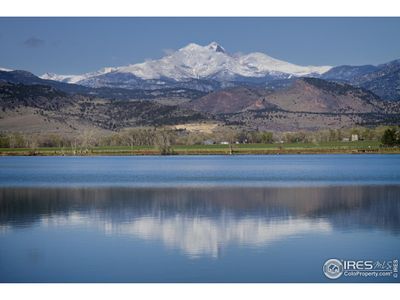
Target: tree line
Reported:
point(165, 138)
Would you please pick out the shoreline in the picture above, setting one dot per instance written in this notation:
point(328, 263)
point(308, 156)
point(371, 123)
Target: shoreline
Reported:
point(194, 152)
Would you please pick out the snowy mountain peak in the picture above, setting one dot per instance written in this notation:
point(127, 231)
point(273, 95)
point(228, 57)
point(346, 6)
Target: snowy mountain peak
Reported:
point(213, 46)
point(216, 47)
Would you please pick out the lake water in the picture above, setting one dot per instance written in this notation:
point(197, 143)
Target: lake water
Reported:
point(197, 218)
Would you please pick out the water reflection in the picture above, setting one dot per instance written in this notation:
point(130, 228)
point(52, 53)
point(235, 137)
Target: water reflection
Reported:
point(205, 236)
point(200, 221)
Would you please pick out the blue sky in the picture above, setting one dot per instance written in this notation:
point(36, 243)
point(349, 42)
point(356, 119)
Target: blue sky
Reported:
point(78, 45)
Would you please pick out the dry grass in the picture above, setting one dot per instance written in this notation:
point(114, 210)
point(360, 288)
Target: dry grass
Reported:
point(28, 121)
point(197, 127)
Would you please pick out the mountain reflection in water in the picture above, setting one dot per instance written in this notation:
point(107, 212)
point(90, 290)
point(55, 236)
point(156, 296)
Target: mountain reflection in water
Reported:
point(201, 221)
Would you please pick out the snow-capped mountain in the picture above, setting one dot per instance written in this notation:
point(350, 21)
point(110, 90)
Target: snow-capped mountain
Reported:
point(192, 62)
point(5, 69)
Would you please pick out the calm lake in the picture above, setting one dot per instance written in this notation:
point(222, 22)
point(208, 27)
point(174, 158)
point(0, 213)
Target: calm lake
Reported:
point(197, 218)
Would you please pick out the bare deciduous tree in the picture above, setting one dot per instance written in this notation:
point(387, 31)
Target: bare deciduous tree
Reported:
point(163, 142)
point(87, 139)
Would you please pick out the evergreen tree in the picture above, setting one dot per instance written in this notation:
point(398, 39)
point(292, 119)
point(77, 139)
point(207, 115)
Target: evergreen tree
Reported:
point(389, 137)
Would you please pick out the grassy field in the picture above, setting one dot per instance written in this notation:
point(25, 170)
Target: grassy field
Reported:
point(285, 148)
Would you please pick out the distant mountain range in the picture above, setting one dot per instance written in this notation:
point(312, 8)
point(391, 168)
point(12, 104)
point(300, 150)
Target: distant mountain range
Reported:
point(25, 77)
point(203, 84)
point(383, 80)
point(211, 67)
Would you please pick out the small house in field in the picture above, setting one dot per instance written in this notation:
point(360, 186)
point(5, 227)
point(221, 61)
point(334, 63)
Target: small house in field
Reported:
point(354, 137)
point(224, 143)
point(345, 140)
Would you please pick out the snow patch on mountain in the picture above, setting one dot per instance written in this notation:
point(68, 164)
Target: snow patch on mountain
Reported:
point(262, 64)
point(62, 78)
point(77, 78)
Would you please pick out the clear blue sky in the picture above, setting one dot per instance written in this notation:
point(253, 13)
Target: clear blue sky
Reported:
point(77, 45)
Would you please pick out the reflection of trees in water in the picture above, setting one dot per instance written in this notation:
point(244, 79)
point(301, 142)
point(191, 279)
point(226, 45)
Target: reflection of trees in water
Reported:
point(347, 206)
